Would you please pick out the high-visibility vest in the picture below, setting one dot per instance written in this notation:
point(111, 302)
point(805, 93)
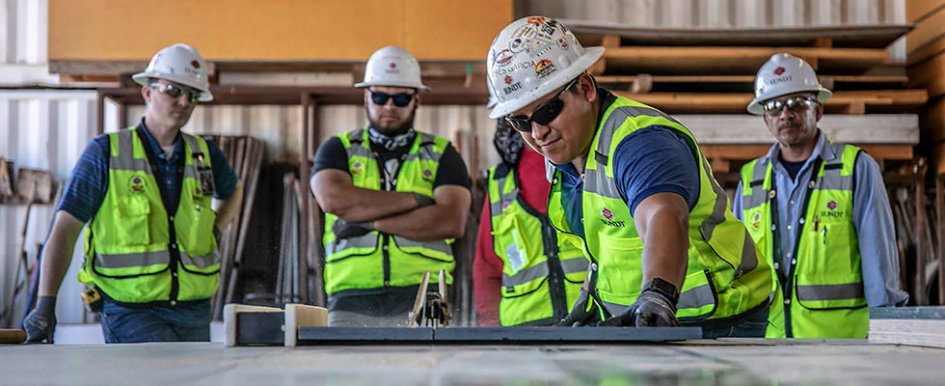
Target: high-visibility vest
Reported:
point(822, 295)
point(542, 271)
point(134, 251)
point(379, 260)
point(725, 277)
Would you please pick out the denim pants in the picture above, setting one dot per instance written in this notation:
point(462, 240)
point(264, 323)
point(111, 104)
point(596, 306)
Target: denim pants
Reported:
point(184, 322)
point(753, 326)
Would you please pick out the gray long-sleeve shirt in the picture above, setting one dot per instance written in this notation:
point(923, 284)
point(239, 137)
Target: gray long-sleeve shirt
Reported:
point(872, 219)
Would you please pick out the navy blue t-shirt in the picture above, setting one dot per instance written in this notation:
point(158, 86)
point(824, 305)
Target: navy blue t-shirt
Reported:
point(652, 160)
point(88, 182)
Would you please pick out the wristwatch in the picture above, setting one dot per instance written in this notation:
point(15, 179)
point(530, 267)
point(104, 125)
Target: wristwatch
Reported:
point(664, 288)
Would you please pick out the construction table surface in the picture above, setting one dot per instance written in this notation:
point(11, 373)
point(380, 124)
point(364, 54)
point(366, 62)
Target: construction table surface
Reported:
point(718, 362)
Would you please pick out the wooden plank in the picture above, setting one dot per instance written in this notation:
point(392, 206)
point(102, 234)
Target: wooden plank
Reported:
point(749, 129)
point(933, 120)
point(926, 52)
point(930, 74)
point(750, 152)
point(931, 28)
point(914, 326)
point(902, 100)
point(918, 9)
point(864, 36)
point(832, 82)
point(734, 60)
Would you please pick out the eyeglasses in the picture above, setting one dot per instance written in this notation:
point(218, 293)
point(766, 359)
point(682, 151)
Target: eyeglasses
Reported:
point(793, 104)
point(400, 100)
point(543, 114)
point(175, 91)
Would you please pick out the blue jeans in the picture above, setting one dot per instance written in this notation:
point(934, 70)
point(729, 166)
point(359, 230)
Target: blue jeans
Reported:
point(753, 326)
point(185, 322)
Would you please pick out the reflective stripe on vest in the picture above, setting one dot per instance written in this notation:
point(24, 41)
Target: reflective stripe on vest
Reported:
point(542, 271)
point(378, 260)
point(722, 255)
point(128, 249)
point(824, 287)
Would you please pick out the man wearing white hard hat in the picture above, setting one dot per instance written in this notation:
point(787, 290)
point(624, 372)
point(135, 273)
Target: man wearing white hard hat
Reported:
point(394, 199)
point(631, 181)
point(524, 273)
point(819, 211)
point(151, 200)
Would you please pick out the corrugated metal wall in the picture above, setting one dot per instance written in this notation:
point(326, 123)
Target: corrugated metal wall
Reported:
point(727, 13)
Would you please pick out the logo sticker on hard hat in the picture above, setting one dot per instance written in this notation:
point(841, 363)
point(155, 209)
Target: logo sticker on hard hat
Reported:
point(136, 184)
point(521, 36)
point(778, 71)
point(544, 68)
point(502, 58)
point(563, 43)
point(538, 20)
point(195, 63)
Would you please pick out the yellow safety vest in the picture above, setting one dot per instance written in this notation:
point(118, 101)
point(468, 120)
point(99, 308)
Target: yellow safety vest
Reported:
point(542, 271)
point(822, 296)
point(725, 278)
point(134, 251)
point(379, 260)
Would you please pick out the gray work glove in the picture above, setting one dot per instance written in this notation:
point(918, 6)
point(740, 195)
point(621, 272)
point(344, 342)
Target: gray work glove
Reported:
point(422, 200)
point(652, 309)
point(583, 313)
point(344, 229)
point(40, 324)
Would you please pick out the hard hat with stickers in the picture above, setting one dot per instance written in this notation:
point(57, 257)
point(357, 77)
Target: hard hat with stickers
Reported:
point(785, 74)
point(532, 57)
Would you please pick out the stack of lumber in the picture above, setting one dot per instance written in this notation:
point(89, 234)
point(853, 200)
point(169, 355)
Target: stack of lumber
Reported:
point(705, 78)
point(925, 47)
point(287, 278)
point(911, 326)
point(245, 155)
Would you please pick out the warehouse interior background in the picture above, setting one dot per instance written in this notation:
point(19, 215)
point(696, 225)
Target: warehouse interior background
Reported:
point(283, 83)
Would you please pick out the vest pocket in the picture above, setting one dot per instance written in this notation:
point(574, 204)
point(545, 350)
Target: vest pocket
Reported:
point(829, 273)
point(620, 269)
point(195, 230)
point(134, 219)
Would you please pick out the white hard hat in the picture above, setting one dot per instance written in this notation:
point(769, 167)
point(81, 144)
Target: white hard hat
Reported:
point(178, 63)
point(392, 66)
point(492, 101)
point(531, 58)
point(785, 74)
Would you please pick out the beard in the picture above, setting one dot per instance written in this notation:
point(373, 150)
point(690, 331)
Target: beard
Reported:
point(392, 128)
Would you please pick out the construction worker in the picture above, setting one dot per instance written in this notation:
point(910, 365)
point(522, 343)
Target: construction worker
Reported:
point(819, 211)
point(394, 198)
point(523, 272)
point(150, 199)
point(631, 181)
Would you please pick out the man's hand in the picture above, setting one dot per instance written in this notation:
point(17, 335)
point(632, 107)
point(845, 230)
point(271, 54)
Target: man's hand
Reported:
point(652, 309)
point(344, 229)
point(584, 313)
point(40, 324)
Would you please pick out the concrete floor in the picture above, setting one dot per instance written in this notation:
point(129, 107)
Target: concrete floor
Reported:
point(721, 362)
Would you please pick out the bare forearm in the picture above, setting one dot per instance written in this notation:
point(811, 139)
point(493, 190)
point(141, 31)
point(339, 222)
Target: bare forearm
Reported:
point(435, 222)
point(226, 209)
point(665, 251)
point(336, 195)
point(57, 253)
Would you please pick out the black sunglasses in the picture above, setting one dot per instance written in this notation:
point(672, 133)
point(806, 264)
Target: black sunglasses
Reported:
point(400, 100)
point(175, 91)
point(793, 104)
point(543, 114)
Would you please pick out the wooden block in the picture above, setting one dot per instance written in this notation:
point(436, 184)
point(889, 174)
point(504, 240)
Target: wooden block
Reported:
point(905, 100)
point(300, 315)
point(930, 74)
point(926, 52)
point(913, 326)
point(34, 185)
point(230, 323)
point(917, 9)
point(12, 336)
point(749, 129)
point(927, 31)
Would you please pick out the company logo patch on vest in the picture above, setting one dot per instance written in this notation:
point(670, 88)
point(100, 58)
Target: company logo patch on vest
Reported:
point(832, 210)
point(607, 218)
point(756, 221)
point(136, 184)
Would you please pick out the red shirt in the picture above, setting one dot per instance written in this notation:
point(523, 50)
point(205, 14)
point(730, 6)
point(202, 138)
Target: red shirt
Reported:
point(487, 266)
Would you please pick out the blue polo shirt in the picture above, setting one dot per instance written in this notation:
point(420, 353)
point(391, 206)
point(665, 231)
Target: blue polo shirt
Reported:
point(88, 181)
point(651, 160)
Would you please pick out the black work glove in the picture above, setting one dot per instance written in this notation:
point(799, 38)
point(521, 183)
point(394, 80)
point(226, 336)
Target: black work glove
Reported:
point(344, 229)
point(584, 312)
point(40, 324)
point(423, 200)
point(652, 309)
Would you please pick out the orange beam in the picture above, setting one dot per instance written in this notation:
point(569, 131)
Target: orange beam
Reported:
point(275, 30)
